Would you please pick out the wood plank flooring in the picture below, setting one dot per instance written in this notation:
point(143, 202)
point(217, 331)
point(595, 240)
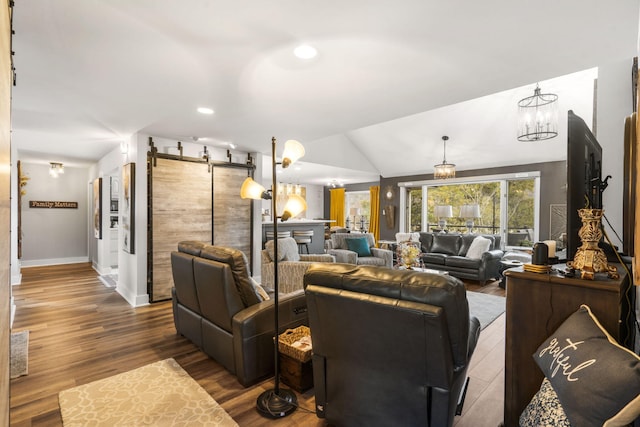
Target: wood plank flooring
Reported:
point(82, 331)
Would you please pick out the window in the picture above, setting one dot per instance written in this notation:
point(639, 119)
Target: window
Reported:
point(358, 209)
point(520, 212)
point(414, 208)
point(486, 195)
point(507, 205)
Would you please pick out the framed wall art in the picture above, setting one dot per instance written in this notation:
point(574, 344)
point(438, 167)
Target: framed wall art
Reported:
point(97, 208)
point(128, 207)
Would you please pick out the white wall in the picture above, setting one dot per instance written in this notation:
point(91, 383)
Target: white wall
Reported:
point(54, 236)
point(614, 103)
point(132, 267)
point(16, 275)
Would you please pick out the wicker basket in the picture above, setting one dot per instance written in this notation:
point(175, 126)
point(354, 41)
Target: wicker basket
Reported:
point(288, 337)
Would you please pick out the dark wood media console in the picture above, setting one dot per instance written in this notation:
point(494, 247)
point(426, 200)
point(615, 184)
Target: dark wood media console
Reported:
point(537, 304)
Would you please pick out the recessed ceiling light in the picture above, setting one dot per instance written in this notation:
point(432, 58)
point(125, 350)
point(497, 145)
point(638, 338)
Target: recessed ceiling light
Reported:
point(305, 51)
point(205, 110)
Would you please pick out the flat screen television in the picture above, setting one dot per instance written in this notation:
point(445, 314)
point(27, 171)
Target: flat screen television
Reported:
point(584, 177)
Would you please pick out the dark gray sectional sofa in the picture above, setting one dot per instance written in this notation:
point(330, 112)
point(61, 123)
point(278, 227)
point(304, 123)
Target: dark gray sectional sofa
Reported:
point(447, 252)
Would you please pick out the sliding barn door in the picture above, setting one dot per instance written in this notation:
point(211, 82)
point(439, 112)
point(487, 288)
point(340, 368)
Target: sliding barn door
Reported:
point(231, 214)
point(180, 209)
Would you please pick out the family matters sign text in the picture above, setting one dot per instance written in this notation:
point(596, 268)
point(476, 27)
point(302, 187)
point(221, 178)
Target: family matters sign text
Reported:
point(53, 205)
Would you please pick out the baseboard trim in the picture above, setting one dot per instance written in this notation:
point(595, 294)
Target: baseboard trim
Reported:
point(16, 279)
point(53, 261)
point(133, 300)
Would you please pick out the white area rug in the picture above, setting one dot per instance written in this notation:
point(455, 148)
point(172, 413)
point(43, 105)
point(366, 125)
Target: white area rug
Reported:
point(159, 394)
point(19, 354)
point(485, 307)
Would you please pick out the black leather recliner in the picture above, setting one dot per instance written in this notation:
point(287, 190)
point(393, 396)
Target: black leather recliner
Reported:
point(390, 347)
point(215, 305)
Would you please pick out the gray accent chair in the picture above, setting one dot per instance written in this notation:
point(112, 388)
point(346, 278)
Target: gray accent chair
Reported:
point(390, 347)
point(217, 306)
point(291, 265)
point(339, 249)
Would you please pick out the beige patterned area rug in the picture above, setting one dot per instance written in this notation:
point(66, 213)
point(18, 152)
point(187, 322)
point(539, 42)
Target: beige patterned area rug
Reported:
point(159, 394)
point(19, 354)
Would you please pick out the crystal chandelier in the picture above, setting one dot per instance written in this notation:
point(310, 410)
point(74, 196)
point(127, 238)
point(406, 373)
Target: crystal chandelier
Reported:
point(444, 170)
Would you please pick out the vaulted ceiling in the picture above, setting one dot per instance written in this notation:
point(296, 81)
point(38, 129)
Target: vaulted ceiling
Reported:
point(389, 80)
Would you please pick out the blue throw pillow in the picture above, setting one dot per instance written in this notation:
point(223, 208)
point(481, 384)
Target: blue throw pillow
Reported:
point(359, 245)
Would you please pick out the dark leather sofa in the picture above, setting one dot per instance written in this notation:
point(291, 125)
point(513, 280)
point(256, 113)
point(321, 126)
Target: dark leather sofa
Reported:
point(216, 306)
point(390, 347)
point(447, 252)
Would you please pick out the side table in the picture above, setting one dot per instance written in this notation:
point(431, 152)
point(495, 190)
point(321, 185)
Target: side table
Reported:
point(294, 354)
point(537, 304)
point(506, 264)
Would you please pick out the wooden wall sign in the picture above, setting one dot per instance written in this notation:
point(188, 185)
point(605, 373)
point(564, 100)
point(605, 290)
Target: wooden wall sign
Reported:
point(52, 205)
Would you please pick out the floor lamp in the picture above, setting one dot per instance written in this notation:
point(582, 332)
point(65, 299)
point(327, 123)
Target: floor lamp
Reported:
point(277, 402)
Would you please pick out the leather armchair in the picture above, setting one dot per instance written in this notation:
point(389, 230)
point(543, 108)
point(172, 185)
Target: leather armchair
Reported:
point(217, 306)
point(390, 347)
point(339, 249)
point(291, 265)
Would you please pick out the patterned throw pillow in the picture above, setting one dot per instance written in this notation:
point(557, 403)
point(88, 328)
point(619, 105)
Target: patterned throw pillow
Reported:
point(596, 379)
point(544, 409)
point(359, 245)
point(259, 290)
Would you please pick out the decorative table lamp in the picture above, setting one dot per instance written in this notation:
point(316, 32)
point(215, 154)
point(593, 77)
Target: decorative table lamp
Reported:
point(470, 212)
point(442, 212)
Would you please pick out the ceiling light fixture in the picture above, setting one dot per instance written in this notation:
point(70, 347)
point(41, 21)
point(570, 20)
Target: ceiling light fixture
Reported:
point(205, 110)
point(56, 169)
point(305, 51)
point(538, 116)
point(444, 170)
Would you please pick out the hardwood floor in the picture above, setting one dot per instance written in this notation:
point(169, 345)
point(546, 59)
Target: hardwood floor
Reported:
point(82, 331)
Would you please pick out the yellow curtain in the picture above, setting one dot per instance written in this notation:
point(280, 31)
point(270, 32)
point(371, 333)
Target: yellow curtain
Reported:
point(337, 206)
point(374, 221)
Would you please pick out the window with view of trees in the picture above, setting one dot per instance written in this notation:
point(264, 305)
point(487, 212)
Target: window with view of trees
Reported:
point(508, 201)
point(415, 208)
point(486, 195)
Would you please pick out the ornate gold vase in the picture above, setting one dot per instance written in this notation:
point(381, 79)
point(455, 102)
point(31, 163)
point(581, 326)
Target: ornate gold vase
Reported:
point(589, 258)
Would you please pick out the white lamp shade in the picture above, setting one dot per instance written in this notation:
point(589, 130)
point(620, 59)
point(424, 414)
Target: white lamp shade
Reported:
point(295, 204)
point(443, 211)
point(251, 189)
point(470, 211)
point(293, 151)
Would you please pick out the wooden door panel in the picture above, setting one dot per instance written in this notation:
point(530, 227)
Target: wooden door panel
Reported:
point(181, 203)
point(231, 214)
